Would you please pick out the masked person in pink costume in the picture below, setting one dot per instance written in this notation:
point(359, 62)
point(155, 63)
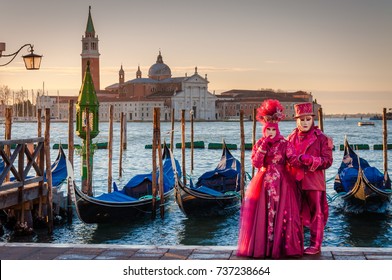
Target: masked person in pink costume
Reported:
point(315, 150)
point(270, 224)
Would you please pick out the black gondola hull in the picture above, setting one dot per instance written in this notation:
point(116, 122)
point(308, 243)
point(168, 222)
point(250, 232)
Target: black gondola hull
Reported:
point(221, 195)
point(94, 211)
point(128, 208)
point(194, 204)
point(363, 196)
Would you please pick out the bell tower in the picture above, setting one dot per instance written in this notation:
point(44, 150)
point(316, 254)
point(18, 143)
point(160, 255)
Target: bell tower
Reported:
point(138, 73)
point(90, 51)
point(121, 78)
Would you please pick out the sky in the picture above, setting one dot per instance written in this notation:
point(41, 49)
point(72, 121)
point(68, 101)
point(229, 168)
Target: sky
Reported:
point(339, 50)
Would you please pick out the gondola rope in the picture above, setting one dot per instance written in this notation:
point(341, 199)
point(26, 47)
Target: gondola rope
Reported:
point(331, 199)
point(332, 178)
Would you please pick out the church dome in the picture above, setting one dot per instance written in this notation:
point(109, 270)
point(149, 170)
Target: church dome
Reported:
point(159, 70)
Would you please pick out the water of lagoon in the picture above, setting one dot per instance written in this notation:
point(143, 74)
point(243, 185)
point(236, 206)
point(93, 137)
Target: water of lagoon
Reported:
point(348, 230)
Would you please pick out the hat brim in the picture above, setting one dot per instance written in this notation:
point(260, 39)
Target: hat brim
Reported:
point(303, 115)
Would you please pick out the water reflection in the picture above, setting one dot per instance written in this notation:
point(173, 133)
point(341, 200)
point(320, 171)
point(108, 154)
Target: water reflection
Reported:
point(208, 231)
point(145, 231)
point(357, 230)
point(366, 230)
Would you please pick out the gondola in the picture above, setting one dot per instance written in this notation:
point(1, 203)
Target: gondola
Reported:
point(216, 192)
point(58, 168)
point(362, 187)
point(133, 202)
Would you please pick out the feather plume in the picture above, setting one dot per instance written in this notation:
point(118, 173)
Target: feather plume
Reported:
point(270, 111)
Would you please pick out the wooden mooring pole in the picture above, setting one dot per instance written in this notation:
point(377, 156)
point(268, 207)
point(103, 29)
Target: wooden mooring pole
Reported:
point(172, 131)
point(39, 122)
point(70, 156)
point(192, 142)
point(183, 146)
point(321, 126)
point(20, 189)
point(254, 135)
point(7, 135)
point(154, 165)
point(385, 139)
point(41, 163)
point(71, 145)
point(121, 145)
point(48, 171)
point(320, 117)
point(158, 140)
point(110, 147)
point(124, 127)
point(242, 181)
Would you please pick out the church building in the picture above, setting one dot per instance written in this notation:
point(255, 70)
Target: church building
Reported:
point(180, 93)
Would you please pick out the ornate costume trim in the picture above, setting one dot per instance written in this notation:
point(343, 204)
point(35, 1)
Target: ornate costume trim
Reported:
point(316, 163)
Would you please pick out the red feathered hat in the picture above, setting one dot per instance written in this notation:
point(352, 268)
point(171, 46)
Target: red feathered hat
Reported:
point(303, 109)
point(270, 111)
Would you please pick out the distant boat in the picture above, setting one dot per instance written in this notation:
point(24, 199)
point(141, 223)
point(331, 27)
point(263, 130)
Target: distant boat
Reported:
point(365, 123)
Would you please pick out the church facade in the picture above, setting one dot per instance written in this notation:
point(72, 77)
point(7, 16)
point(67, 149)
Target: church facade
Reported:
point(179, 93)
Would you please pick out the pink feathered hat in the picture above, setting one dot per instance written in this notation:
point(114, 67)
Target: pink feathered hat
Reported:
point(270, 111)
point(303, 109)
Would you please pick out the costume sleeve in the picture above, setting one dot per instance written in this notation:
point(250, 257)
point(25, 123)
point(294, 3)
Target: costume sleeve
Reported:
point(324, 161)
point(292, 157)
point(258, 154)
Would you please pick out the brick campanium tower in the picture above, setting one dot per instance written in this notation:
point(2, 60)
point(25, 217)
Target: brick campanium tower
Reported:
point(90, 51)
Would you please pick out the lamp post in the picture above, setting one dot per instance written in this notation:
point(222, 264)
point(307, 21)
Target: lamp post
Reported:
point(32, 61)
point(87, 105)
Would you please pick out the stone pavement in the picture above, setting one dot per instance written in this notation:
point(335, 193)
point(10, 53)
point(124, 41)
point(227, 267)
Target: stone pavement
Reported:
point(41, 251)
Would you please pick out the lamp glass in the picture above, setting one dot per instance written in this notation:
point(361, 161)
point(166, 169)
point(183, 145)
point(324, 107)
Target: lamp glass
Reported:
point(32, 61)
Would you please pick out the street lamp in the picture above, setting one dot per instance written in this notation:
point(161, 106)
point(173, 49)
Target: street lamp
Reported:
point(32, 61)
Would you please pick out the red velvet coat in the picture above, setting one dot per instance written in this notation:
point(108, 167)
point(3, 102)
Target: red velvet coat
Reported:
point(316, 144)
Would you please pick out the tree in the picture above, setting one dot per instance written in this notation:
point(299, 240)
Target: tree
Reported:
point(20, 102)
point(5, 95)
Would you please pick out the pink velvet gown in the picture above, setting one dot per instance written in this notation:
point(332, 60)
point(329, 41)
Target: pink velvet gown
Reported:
point(270, 225)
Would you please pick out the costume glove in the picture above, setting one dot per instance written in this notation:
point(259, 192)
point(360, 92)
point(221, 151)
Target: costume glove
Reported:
point(266, 143)
point(306, 159)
